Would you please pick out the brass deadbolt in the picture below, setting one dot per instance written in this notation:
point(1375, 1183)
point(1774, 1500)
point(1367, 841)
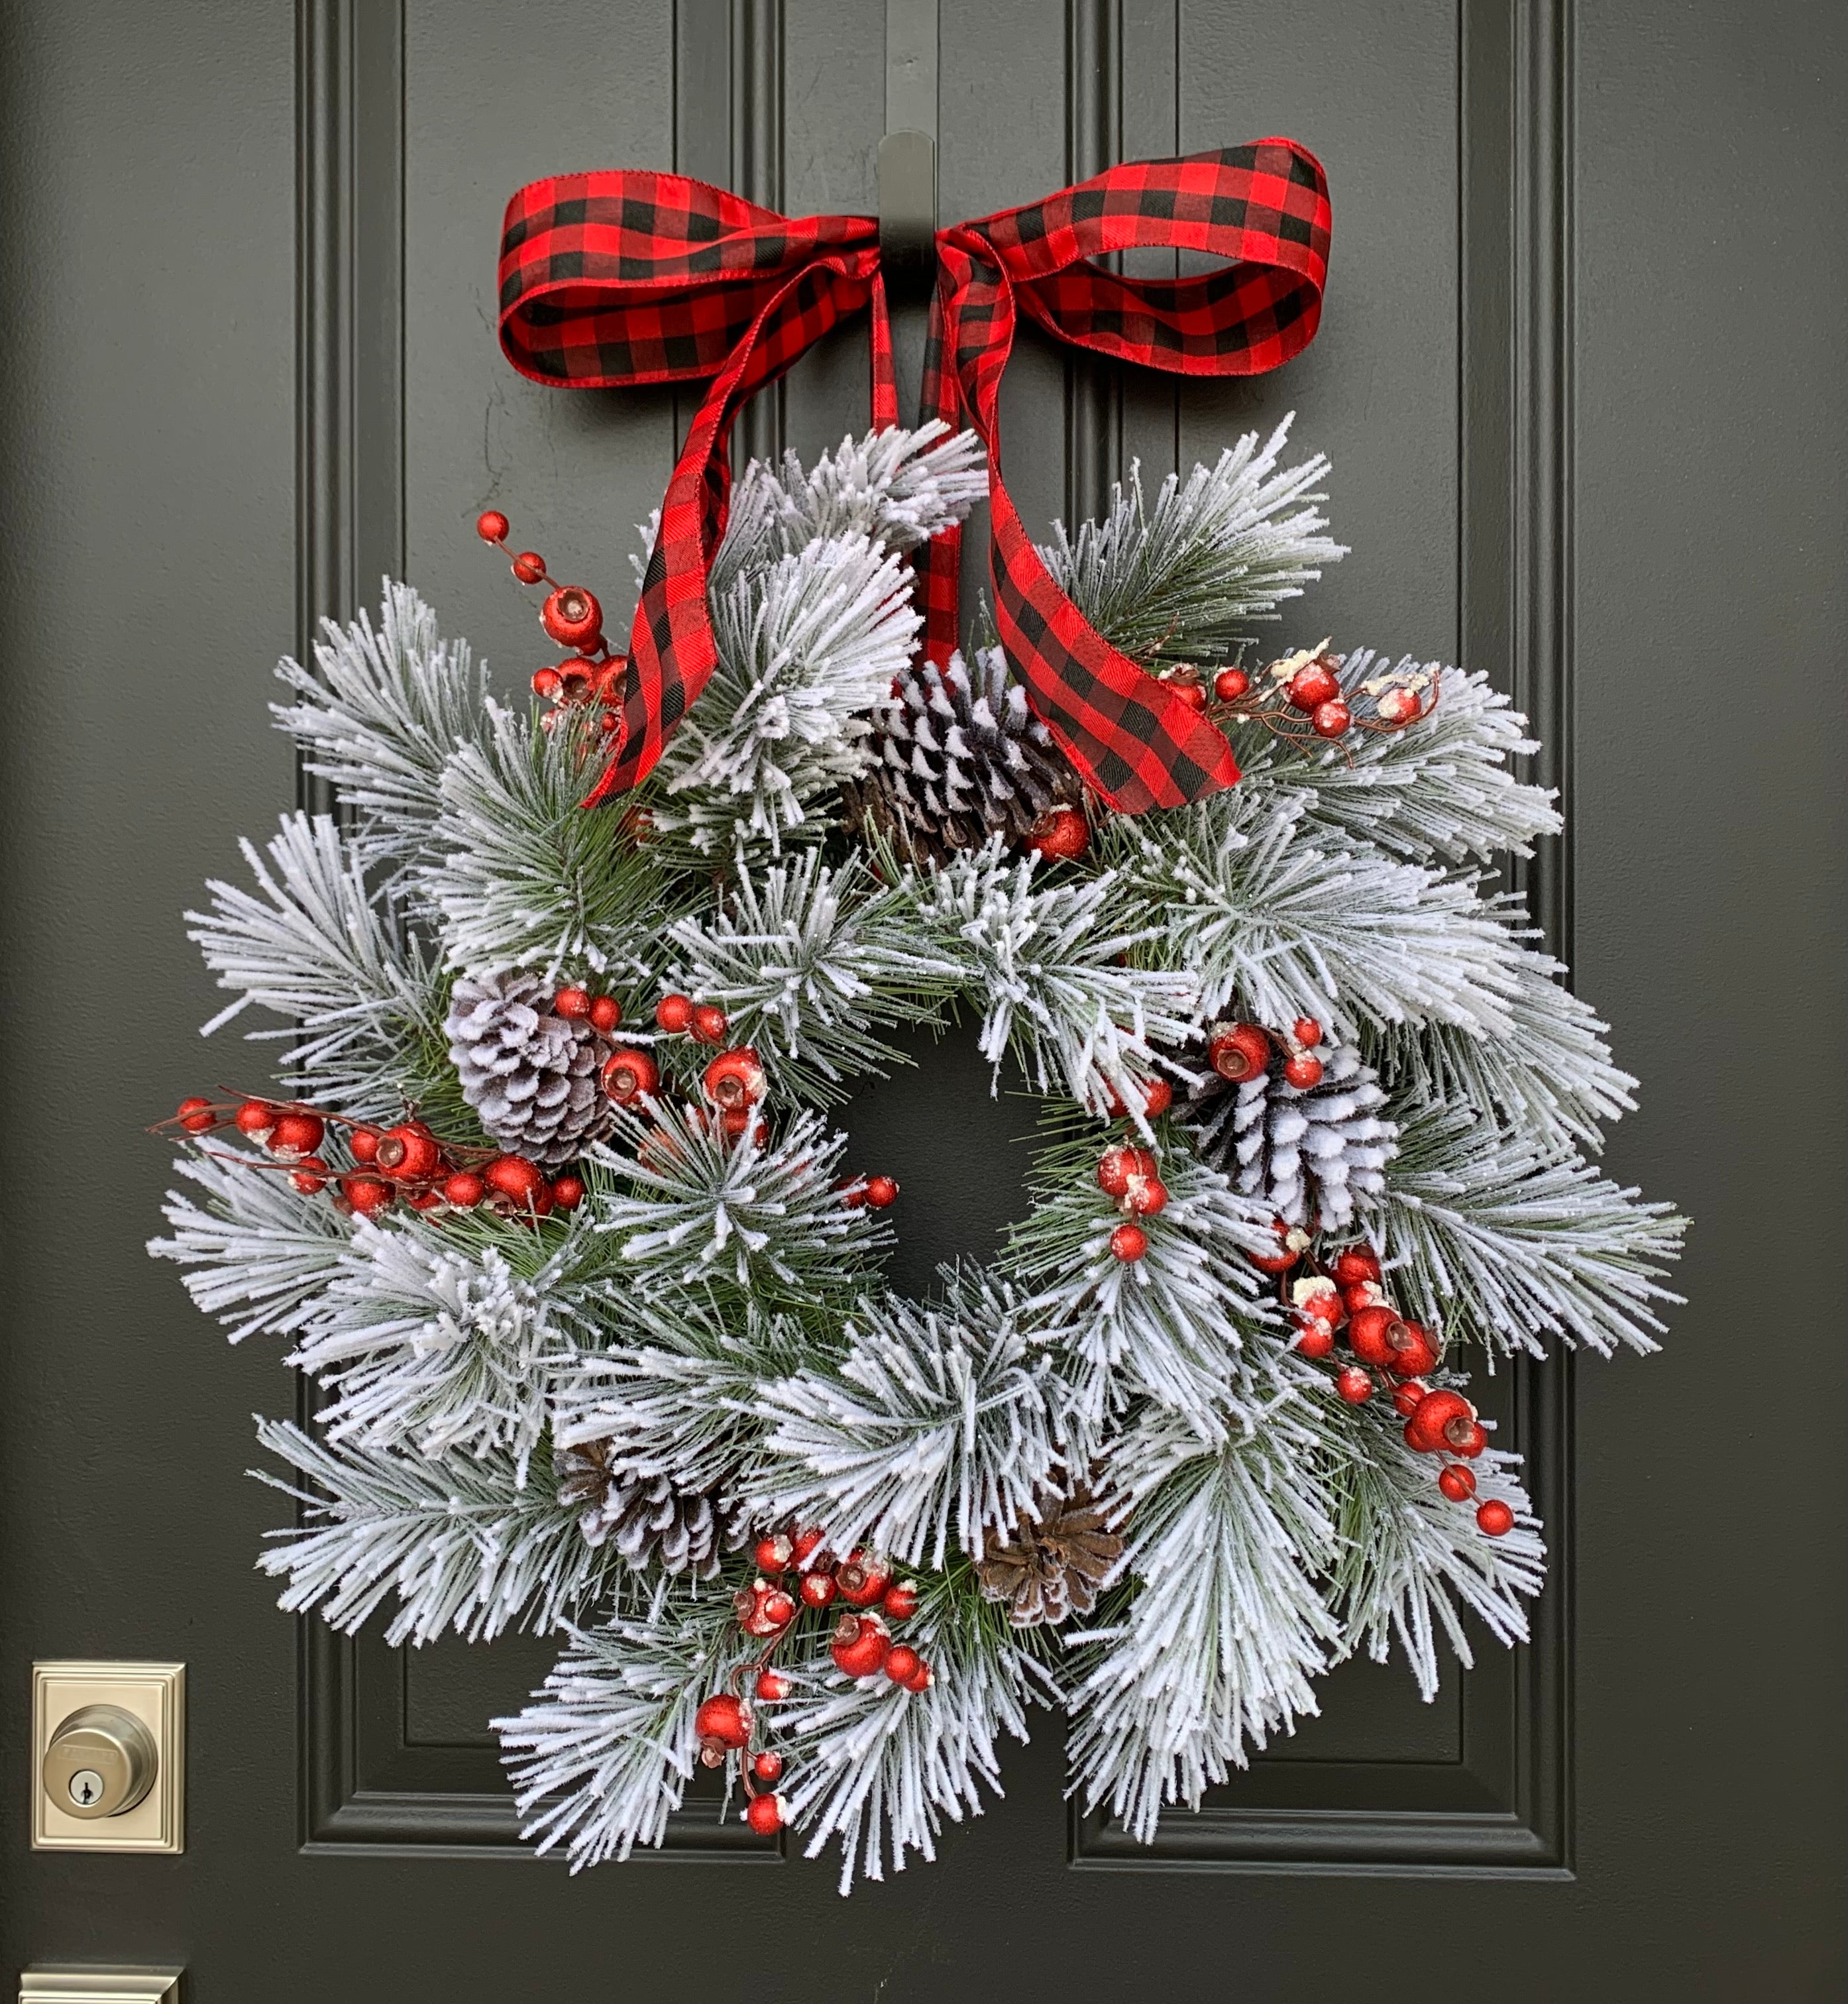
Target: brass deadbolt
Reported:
point(101, 1761)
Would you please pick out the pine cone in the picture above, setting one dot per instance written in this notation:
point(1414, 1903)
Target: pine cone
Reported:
point(529, 1073)
point(1048, 1571)
point(643, 1518)
point(1312, 1154)
point(959, 757)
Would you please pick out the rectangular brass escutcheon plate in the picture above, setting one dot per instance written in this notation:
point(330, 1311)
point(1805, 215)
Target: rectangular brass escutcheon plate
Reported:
point(156, 1694)
point(99, 1986)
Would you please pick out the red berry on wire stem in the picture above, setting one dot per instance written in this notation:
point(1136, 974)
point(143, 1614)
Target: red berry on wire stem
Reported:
point(722, 1725)
point(1312, 686)
point(764, 1814)
point(1190, 692)
point(408, 1153)
point(674, 1013)
point(605, 1013)
point(1458, 1482)
point(860, 1581)
point(900, 1600)
point(1229, 684)
point(1303, 1071)
point(1118, 1167)
point(363, 1144)
point(1061, 834)
point(902, 1664)
point(817, 1589)
point(518, 1184)
point(1315, 1339)
point(573, 1004)
point(1397, 707)
point(1291, 1244)
point(1353, 1385)
point(1128, 1242)
point(309, 1176)
point(766, 1767)
point(1406, 1398)
point(882, 1192)
point(710, 1024)
point(256, 1117)
point(1306, 1031)
point(1469, 1441)
point(296, 1135)
point(1145, 1197)
point(367, 1195)
point(735, 1079)
point(1238, 1053)
point(771, 1686)
point(630, 1075)
point(529, 566)
point(1331, 719)
point(572, 617)
point(196, 1115)
point(1494, 1518)
point(492, 526)
point(772, 1554)
point(567, 1192)
point(1358, 1264)
point(465, 1189)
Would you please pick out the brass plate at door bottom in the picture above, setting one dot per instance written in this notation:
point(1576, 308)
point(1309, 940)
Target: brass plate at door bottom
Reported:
point(99, 1986)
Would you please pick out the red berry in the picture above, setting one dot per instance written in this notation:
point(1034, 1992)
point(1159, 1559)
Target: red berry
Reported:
point(1286, 1254)
point(1239, 1052)
point(576, 678)
point(1358, 1263)
point(529, 566)
point(1145, 1197)
point(1397, 707)
point(1373, 1333)
point(882, 1192)
point(518, 1184)
point(859, 1581)
point(426, 1200)
point(1458, 1482)
point(367, 1194)
point(805, 1542)
point(778, 1608)
point(723, 1722)
point(1331, 719)
point(1316, 1339)
point(902, 1664)
point(710, 1024)
point(919, 1679)
point(567, 1192)
point(296, 1135)
point(1303, 1071)
point(1229, 684)
point(1318, 1296)
point(1406, 1397)
point(900, 1600)
point(734, 1080)
point(1368, 1295)
point(1495, 1519)
point(465, 1189)
point(1191, 693)
point(817, 1588)
point(1313, 685)
point(196, 1116)
point(853, 1193)
point(572, 1004)
point(766, 1767)
point(492, 526)
point(764, 1814)
point(773, 1554)
point(673, 1014)
point(363, 1144)
point(1414, 1351)
point(309, 1176)
point(1128, 1242)
point(606, 1013)
point(572, 617)
point(860, 1645)
point(770, 1686)
point(1119, 1167)
point(1158, 1096)
point(630, 1075)
point(1061, 833)
point(256, 1117)
point(1437, 1411)
point(1353, 1385)
point(408, 1152)
point(549, 684)
point(1468, 1440)
point(1306, 1031)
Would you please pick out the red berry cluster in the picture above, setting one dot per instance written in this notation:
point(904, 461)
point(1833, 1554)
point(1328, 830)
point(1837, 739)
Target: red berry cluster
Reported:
point(1131, 1176)
point(1240, 1051)
point(1387, 1349)
point(862, 1646)
point(402, 1164)
point(1311, 694)
point(593, 676)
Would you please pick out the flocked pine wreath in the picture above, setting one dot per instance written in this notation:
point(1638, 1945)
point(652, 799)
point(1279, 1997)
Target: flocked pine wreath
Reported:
point(551, 1205)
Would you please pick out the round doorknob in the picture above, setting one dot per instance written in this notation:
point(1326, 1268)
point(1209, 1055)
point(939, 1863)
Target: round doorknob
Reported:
point(101, 1761)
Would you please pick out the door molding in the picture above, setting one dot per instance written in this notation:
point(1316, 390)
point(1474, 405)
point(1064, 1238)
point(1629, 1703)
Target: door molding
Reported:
point(1504, 1807)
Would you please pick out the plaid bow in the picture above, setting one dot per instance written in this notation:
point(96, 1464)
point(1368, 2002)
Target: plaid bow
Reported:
point(626, 277)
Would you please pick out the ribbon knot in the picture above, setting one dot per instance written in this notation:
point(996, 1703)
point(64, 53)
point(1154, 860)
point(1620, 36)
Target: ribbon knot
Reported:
point(626, 277)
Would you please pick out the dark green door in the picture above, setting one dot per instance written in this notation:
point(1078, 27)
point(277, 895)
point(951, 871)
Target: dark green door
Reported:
point(1582, 377)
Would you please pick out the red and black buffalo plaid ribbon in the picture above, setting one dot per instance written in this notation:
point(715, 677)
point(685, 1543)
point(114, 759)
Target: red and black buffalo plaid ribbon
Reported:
point(644, 278)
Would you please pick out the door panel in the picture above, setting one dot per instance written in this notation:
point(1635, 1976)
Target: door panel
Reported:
point(253, 367)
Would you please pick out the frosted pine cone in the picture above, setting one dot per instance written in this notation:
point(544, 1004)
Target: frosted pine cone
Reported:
point(1048, 1571)
point(528, 1073)
point(1313, 1154)
point(643, 1518)
point(959, 757)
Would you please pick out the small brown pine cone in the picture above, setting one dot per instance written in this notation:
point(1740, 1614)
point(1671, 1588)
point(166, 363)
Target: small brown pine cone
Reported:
point(1049, 1570)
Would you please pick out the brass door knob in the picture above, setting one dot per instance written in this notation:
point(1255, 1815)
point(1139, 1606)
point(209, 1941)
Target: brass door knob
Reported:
point(101, 1761)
